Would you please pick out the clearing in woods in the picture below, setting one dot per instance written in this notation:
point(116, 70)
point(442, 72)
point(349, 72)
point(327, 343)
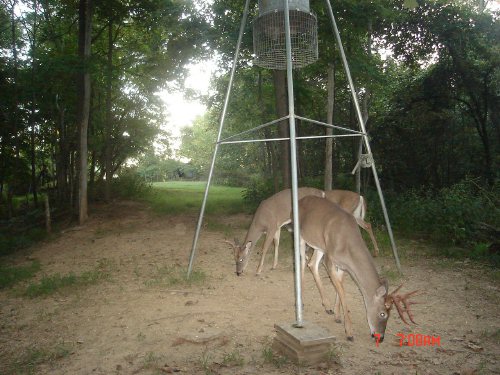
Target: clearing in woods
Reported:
point(111, 298)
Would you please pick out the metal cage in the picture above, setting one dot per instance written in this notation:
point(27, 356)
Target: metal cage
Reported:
point(269, 38)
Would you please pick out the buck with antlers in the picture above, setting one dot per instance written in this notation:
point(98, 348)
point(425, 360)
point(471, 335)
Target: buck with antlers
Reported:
point(271, 215)
point(274, 212)
point(335, 236)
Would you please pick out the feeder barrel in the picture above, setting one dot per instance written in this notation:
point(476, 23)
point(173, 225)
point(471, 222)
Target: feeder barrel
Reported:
point(266, 6)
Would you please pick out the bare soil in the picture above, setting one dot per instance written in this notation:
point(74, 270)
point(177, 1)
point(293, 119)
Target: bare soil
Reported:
point(135, 322)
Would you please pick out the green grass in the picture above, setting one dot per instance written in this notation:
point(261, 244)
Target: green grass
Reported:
point(33, 357)
point(272, 358)
point(233, 359)
point(168, 276)
point(171, 198)
point(10, 276)
point(49, 285)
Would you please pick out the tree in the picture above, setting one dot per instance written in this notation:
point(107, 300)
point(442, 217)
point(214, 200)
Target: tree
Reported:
point(83, 110)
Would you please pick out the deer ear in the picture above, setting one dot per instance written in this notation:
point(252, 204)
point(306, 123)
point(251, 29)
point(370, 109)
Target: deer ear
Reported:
point(381, 291)
point(248, 245)
point(384, 282)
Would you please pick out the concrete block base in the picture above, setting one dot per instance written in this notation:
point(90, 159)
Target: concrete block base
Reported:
point(308, 345)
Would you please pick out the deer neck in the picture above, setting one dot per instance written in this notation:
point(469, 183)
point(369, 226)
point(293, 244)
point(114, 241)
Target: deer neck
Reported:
point(253, 234)
point(363, 271)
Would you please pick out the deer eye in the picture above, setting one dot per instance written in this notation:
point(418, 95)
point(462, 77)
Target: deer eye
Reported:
point(383, 314)
point(241, 260)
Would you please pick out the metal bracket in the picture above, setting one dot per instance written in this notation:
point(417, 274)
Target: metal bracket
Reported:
point(365, 161)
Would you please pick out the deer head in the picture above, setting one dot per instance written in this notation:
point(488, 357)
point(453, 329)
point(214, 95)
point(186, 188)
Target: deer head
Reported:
point(240, 255)
point(379, 311)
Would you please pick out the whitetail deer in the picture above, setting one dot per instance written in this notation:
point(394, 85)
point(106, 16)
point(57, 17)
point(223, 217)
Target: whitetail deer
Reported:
point(271, 215)
point(275, 212)
point(335, 236)
point(356, 205)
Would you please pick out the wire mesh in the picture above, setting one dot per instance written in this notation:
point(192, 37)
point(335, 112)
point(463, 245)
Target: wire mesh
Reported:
point(269, 39)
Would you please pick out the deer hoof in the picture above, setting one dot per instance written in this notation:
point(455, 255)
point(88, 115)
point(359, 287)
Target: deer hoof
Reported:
point(337, 320)
point(329, 311)
point(350, 338)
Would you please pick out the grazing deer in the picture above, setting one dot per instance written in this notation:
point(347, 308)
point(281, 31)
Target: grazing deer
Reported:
point(335, 236)
point(356, 205)
point(271, 215)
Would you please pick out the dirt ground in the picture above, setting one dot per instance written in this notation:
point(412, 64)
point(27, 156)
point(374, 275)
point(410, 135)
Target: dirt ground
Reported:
point(135, 321)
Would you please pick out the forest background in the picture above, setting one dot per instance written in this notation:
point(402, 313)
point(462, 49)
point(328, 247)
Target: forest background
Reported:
point(81, 119)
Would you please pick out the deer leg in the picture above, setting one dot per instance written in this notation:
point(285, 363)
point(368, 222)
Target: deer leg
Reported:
point(302, 246)
point(276, 247)
point(267, 243)
point(314, 267)
point(372, 236)
point(368, 227)
point(336, 310)
point(337, 283)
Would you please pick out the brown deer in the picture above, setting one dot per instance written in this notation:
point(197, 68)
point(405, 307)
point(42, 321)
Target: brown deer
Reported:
point(271, 215)
point(335, 237)
point(274, 212)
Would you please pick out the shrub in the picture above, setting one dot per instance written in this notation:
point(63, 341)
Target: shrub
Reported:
point(257, 190)
point(449, 216)
point(130, 184)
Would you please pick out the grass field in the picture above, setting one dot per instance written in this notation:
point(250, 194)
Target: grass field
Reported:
point(176, 197)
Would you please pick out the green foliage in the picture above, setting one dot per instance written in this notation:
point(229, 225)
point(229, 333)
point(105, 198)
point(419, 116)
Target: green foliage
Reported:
point(130, 185)
point(156, 168)
point(450, 216)
point(138, 48)
point(12, 242)
point(10, 276)
point(257, 190)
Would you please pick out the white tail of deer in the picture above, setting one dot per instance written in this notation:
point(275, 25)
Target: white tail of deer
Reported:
point(356, 205)
point(335, 237)
point(271, 215)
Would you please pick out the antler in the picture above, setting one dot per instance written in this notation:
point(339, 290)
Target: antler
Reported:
point(402, 303)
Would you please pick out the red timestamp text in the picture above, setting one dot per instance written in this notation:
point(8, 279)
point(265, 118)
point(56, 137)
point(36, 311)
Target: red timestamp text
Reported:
point(414, 339)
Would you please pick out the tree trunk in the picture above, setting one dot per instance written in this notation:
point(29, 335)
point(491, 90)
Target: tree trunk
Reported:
point(280, 92)
point(14, 119)
point(62, 161)
point(269, 145)
point(84, 43)
point(329, 131)
point(34, 182)
point(365, 105)
point(108, 152)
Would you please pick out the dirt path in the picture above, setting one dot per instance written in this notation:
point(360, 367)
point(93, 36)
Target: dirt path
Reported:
point(139, 320)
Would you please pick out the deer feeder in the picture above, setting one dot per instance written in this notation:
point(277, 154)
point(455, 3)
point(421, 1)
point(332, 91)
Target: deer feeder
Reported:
point(269, 41)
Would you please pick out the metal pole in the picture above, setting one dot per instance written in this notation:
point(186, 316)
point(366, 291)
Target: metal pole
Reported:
point(363, 129)
point(221, 125)
point(293, 162)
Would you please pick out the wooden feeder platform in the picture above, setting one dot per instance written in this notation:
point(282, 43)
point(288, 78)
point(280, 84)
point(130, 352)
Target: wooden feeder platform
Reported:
point(307, 345)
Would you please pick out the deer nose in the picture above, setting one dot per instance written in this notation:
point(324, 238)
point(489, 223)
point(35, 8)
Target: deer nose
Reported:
point(381, 337)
